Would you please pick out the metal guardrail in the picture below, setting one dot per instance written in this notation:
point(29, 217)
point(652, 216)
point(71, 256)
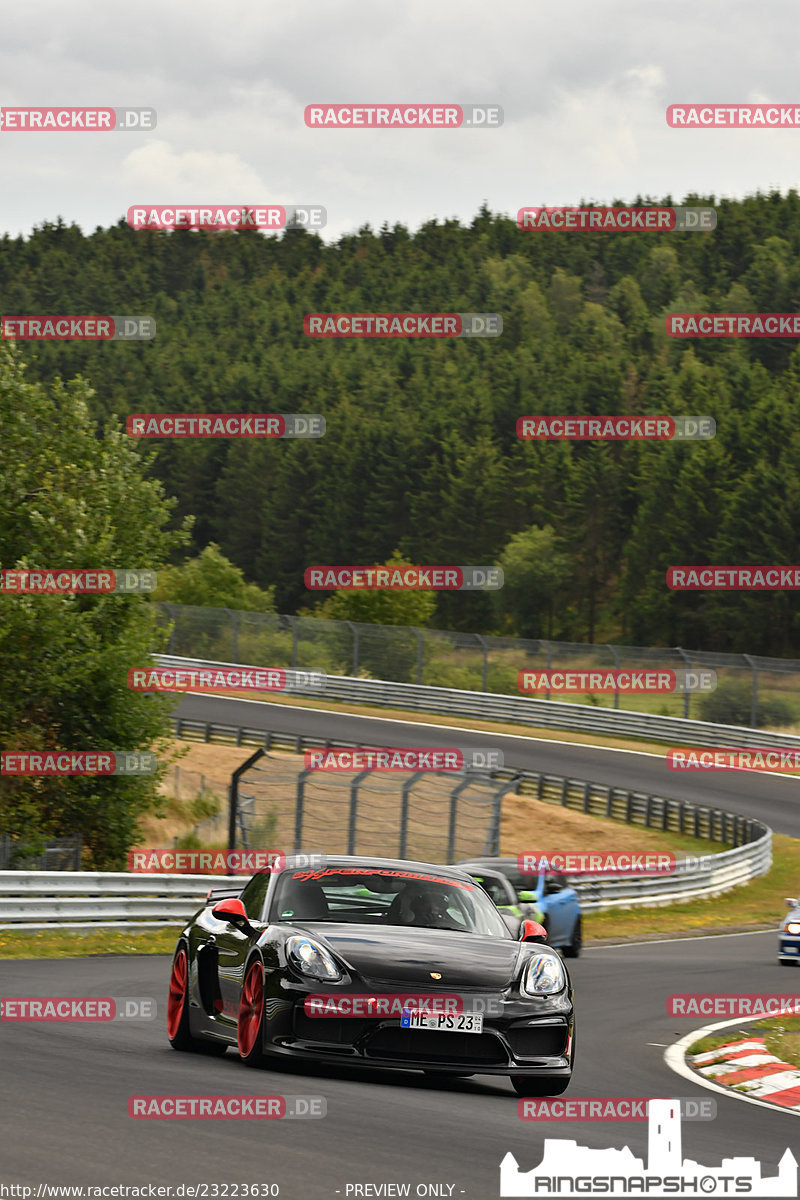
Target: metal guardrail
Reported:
point(407, 653)
point(75, 900)
point(539, 714)
point(84, 900)
point(98, 899)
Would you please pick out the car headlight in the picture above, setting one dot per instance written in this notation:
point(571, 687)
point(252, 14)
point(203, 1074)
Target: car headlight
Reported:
point(312, 959)
point(792, 927)
point(542, 975)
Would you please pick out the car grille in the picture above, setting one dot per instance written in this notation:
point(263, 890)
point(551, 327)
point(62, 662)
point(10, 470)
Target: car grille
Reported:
point(537, 1041)
point(431, 1045)
point(338, 1031)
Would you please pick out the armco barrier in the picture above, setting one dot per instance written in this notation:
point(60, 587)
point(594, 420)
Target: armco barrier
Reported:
point(98, 899)
point(48, 899)
point(523, 710)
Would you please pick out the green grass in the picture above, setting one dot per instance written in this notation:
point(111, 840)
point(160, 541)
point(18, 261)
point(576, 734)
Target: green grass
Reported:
point(78, 943)
point(758, 904)
point(782, 1038)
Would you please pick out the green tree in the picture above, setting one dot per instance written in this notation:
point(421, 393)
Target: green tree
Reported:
point(71, 498)
point(535, 569)
point(213, 581)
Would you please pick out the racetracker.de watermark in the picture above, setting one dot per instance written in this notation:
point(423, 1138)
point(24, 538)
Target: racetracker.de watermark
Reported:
point(617, 680)
point(226, 425)
point(223, 678)
point(390, 1004)
point(206, 862)
point(611, 1108)
point(615, 429)
point(403, 116)
point(77, 329)
point(627, 219)
point(715, 1004)
point(91, 581)
point(733, 759)
point(403, 578)
point(607, 862)
point(227, 216)
point(733, 116)
point(72, 120)
point(417, 758)
point(77, 762)
point(248, 1107)
point(733, 579)
point(705, 324)
point(430, 325)
point(78, 1008)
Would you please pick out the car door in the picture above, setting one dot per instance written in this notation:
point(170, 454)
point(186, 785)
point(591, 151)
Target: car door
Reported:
point(557, 906)
point(232, 946)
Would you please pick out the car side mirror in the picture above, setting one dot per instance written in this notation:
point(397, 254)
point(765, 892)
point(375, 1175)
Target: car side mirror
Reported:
point(528, 897)
point(232, 910)
point(792, 902)
point(532, 931)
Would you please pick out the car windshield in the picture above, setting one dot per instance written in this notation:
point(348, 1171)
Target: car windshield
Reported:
point(385, 896)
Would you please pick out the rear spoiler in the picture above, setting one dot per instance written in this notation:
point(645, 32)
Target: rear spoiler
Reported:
point(222, 893)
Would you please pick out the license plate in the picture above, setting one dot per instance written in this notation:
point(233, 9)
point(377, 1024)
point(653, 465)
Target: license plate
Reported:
point(449, 1022)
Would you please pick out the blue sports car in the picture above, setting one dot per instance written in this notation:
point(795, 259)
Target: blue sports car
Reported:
point(789, 934)
point(552, 895)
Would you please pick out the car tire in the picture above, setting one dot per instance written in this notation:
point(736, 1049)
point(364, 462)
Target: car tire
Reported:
point(540, 1085)
point(573, 948)
point(178, 1029)
point(250, 1024)
point(786, 962)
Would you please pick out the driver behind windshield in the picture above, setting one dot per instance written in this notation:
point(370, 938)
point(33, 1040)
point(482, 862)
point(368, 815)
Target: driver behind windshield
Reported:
point(425, 906)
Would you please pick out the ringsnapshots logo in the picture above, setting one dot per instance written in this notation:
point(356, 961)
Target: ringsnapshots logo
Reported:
point(403, 578)
point(227, 1108)
point(403, 116)
point(611, 1108)
point(615, 429)
point(568, 1169)
point(226, 425)
point(417, 758)
point(733, 759)
point(733, 116)
point(733, 579)
point(78, 1008)
point(204, 862)
point(743, 325)
point(227, 216)
point(72, 582)
point(76, 120)
point(223, 678)
point(641, 682)
point(624, 219)
point(606, 862)
point(77, 329)
point(77, 762)
point(425, 325)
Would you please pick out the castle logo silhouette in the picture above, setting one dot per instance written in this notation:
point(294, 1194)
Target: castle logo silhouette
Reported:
point(567, 1169)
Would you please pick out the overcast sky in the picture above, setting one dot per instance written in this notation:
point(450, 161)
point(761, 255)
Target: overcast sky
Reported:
point(584, 88)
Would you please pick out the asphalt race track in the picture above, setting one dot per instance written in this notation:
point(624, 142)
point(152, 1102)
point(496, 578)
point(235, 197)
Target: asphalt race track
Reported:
point(772, 798)
point(66, 1087)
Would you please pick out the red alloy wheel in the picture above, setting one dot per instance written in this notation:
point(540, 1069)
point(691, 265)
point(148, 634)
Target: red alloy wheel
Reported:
point(177, 992)
point(251, 1009)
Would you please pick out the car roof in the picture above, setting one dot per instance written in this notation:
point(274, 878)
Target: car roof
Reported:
point(293, 861)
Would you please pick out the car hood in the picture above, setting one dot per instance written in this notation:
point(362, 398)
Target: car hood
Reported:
point(402, 955)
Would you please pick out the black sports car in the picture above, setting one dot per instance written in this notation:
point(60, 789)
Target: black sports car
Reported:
point(375, 962)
